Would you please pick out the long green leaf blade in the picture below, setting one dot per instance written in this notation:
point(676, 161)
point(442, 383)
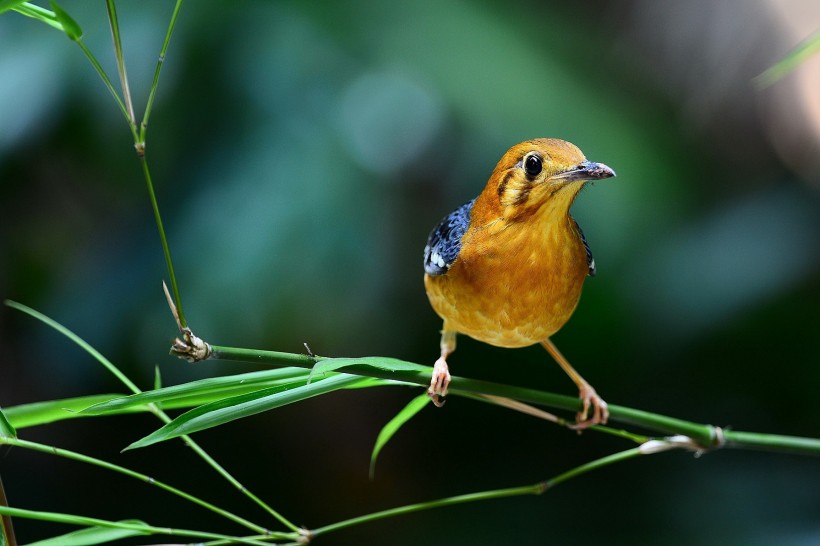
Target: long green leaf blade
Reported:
point(92, 535)
point(40, 14)
point(6, 428)
point(379, 362)
point(42, 413)
point(139, 527)
point(231, 409)
point(6, 5)
point(70, 26)
point(793, 58)
point(212, 388)
point(390, 429)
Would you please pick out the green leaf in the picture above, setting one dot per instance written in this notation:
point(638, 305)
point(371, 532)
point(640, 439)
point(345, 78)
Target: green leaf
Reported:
point(793, 58)
point(40, 14)
point(70, 26)
point(6, 428)
point(6, 5)
point(237, 407)
point(92, 535)
point(205, 390)
point(407, 413)
point(379, 362)
point(41, 413)
point(130, 525)
point(369, 382)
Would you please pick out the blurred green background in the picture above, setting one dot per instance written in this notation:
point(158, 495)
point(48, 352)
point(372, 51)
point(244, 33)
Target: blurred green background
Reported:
point(301, 153)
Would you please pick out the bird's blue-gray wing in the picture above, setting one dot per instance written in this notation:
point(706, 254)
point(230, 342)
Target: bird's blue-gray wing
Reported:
point(444, 242)
point(590, 259)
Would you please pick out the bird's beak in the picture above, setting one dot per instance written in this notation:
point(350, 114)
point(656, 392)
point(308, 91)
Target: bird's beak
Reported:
point(586, 170)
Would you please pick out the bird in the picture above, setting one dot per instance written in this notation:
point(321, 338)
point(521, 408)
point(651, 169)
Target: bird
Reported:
point(507, 267)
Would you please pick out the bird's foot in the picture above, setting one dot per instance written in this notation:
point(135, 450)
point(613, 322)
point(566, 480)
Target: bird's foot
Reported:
point(600, 411)
point(439, 382)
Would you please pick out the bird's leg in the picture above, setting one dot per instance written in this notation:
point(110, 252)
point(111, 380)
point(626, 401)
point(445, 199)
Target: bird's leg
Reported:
point(441, 373)
point(587, 394)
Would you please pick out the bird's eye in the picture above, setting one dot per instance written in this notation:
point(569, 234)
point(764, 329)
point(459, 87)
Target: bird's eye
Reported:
point(532, 165)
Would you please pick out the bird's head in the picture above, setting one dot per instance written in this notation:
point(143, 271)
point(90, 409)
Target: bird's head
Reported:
point(535, 174)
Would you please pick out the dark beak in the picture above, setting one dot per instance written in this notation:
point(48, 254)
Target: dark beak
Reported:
point(586, 170)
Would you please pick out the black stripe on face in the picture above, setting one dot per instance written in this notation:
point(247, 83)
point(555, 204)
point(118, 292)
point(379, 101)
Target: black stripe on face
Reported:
point(514, 189)
point(503, 186)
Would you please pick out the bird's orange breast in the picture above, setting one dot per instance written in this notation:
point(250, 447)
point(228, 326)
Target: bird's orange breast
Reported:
point(514, 283)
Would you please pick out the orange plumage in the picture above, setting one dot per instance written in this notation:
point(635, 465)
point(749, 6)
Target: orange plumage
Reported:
point(507, 269)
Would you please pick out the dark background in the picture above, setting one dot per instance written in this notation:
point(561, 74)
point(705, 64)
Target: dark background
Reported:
point(302, 152)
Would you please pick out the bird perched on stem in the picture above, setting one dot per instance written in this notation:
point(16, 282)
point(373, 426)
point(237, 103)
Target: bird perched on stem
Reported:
point(507, 267)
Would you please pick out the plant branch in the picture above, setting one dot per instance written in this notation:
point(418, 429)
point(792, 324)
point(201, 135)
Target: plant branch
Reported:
point(163, 239)
point(704, 435)
point(154, 84)
point(127, 107)
point(534, 489)
point(139, 139)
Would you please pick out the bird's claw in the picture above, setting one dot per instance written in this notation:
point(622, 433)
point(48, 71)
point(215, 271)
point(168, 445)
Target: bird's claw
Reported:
point(439, 382)
point(600, 411)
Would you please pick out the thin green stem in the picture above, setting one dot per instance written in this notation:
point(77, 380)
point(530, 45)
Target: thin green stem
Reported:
point(127, 107)
point(139, 138)
point(74, 456)
point(235, 483)
point(160, 62)
point(115, 36)
point(621, 433)
point(107, 81)
point(164, 240)
point(593, 465)
point(276, 358)
point(534, 489)
point(771, 442)
point(223, 542)
point(141, 528)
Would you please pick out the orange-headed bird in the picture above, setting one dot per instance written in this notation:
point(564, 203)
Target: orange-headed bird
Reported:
point(507, 267)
